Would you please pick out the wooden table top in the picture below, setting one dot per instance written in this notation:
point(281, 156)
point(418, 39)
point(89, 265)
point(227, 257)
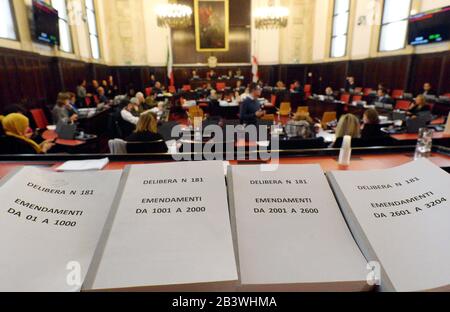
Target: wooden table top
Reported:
point(413, 136)
point(51, 135)
point(328, 163)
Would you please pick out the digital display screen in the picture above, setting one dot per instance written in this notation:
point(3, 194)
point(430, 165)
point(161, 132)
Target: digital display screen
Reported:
point(429, 27)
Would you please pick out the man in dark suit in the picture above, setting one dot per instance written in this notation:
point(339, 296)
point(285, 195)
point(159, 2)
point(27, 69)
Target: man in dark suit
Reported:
point(250, 107)
point(350, 84)
point(428, 90)
point(383, 97)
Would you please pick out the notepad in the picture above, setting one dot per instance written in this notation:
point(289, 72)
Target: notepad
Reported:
point(84, 165)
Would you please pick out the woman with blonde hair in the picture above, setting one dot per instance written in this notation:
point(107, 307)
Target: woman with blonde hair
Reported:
point(347, 125)
point(147, 132)
point(17, 139)
point(301, 126)
point(419, 105)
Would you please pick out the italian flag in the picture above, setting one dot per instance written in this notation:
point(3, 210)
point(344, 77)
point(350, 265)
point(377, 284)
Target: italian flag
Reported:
point(170, 62)
point(255, 70)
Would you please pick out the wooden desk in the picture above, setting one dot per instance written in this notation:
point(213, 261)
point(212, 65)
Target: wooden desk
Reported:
point(414, 137)
point(328, 163)
point(51, 135)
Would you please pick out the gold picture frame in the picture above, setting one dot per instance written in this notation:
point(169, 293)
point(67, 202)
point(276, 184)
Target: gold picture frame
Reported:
point(213, 38)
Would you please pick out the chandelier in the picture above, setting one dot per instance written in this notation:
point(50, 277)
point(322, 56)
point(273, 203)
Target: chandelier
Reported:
point(174, 15)
point(271, 16)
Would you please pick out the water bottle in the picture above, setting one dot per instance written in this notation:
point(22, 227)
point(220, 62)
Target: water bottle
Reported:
point(424, 143)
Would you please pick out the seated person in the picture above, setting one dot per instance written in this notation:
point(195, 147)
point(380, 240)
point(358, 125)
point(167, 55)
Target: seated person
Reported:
point(17, 138)
point(239, 75)
point(239, 87)
point(10, 109)
point(280, 85)
point(147, 131)
point(347, 125)
point(141, 101)
point(152, 82)
point(251, 108)
point(195, 76)
point(329, 94)
point(213, 96)
point(230, 75)
point(419, 105)
point(350, 84)
point(93, 88)
point(383, 97)
point(62, 112)
point(150, 103)
point(371, 125)
point(211, 75)
point(296, 87)
point(301, 126)
point(72, 103)
point(113, 90)
point(157, 89)
point(130, 113)
point(428, 90)
point(102, 95)
point(81, 93)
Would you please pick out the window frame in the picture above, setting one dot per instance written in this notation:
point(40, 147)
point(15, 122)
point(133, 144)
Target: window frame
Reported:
point(346, 32)
point(14, 20)
point(383, 25)
point(96, 27)
point(72, 50)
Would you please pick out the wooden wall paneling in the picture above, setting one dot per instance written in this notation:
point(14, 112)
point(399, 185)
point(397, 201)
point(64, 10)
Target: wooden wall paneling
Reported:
point(427, 68)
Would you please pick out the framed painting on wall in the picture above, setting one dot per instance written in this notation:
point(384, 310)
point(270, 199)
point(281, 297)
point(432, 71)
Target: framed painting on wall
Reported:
point(212, 25)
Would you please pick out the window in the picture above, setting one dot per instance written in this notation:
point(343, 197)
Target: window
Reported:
point(7, 24)
point(394, 24)
point(92, 26)
point(65, 36)
point(341, 18)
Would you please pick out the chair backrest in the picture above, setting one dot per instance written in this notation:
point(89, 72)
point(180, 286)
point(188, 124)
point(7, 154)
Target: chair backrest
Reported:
point(358, 90)
point(294, 144)
point(156, 147)
point(172, 89)
point(195, 111)
point(397, 93)
point(96, 99)
point(268, 117)
point(367, 91)
point(345, 98)
point(357, 98)
point(187, 88)
point(303, 109)
point(402, 104)
point(307, 88)
point(285, 107)
point(88, 101)
point(273, 99)
point(148, 91)
point(328, 117)
point(39, 118)
point(220, 86)
point(117, 146)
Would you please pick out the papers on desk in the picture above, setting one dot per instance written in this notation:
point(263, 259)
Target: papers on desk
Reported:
point(50, 224)
point(327, 136)
point(84, 165)
point(228, 104)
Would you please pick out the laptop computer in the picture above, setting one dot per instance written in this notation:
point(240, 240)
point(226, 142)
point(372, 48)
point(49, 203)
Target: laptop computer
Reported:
point(66, 131)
